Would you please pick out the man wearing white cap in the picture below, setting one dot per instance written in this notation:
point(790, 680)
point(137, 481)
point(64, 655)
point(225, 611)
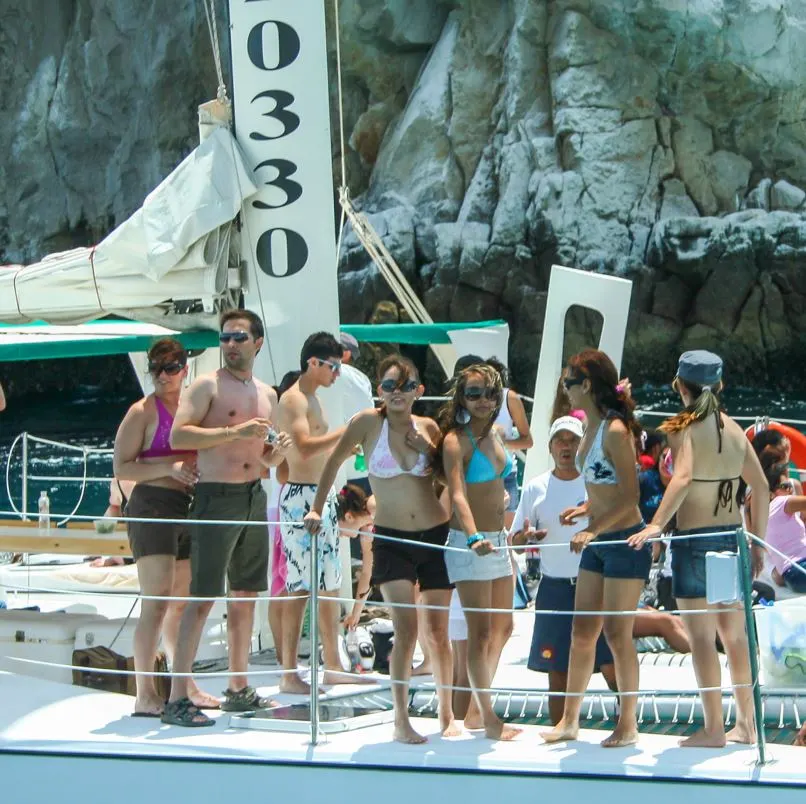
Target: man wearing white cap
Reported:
point(538, 520)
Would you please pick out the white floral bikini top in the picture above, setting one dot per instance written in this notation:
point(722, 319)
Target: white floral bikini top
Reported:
point(382, 463)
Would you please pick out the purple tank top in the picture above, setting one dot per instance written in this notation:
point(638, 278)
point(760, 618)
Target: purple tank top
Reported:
point(161, 443)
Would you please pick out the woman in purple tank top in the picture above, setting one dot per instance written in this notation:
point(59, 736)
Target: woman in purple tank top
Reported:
point(164, 479)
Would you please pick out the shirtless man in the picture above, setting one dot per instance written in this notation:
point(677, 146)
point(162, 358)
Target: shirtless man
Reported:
point(301, 415)
point(226, 416)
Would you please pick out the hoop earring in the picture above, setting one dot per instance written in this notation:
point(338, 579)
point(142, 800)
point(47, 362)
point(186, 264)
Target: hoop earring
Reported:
point(462, 416)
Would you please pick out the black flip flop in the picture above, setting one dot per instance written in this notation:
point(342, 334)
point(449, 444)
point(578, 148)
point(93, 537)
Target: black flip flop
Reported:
point(146, 714)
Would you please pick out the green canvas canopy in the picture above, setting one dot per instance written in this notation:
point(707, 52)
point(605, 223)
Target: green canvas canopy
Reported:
point(41, 341)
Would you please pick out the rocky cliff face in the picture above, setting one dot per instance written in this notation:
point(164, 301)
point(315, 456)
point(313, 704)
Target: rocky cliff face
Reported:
point(663, 140)
point(99, 105)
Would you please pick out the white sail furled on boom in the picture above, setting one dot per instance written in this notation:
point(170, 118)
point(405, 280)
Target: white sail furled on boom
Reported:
point(170, 258)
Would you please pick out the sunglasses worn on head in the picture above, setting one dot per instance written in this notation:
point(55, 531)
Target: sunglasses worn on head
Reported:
point(238, 337)
point(475, 392)
point(335, 365)
point(570, 382)
point(389, 386)
point(171, 369)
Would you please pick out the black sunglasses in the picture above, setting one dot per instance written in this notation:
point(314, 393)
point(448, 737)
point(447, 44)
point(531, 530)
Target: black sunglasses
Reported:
point(475, 392)
point(238, 337)
point(570, 382)
point(389, 386)
point(171, 369)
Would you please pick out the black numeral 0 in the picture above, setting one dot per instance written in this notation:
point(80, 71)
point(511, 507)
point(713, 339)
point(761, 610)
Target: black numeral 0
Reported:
point(295, 258)
point(287, 45)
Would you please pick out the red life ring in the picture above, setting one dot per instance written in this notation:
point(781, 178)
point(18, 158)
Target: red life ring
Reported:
point(796, 439)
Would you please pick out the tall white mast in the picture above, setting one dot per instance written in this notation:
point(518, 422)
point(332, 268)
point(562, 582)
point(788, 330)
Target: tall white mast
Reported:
point(282, 123)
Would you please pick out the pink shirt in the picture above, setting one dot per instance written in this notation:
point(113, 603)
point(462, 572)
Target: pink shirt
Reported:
point(785, 532)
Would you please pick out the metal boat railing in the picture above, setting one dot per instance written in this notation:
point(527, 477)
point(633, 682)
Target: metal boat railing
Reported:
point(314, 599)
point(315, 731)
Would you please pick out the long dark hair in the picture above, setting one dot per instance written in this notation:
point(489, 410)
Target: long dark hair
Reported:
point(595, 366)
point(449, 416)
point(406, 370)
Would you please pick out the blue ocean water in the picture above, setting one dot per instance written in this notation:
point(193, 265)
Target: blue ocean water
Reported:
point(90, 417)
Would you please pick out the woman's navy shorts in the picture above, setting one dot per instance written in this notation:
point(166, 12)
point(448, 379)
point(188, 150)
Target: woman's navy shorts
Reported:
point(617, 560)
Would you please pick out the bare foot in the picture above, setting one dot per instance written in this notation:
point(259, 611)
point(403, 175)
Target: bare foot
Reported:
point(143, 708)
point(202, 699)
point(621, 736)
point(561, 733)
point(473, 720)
point(294, 685)
point(501, 731)
point(741, 733)
point(340, 677)
point(422, 669)
point(452, 729)
point(404, 733)
point(702, 739)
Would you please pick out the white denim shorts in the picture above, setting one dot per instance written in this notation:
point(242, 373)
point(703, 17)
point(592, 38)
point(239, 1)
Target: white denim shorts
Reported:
point(468, 566)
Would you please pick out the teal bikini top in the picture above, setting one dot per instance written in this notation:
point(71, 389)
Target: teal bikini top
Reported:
point(480, 468)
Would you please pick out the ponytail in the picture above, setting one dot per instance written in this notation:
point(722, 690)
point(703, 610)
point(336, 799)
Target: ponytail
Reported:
point(351, 500)
point(706, 403)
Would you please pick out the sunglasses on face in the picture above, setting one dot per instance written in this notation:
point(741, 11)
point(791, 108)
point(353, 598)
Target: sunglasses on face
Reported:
point(238, 337)
point(171, 369)
point(389, 386)
point(786, 485)
point(570, 382)
point(335, 366)
point(475, 392)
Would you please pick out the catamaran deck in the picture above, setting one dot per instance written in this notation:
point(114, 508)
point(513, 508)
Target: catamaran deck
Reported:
point(44, 718)
point(82, 731)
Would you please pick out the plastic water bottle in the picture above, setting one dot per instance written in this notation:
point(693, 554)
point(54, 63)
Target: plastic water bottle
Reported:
point(360, 464)
point(44, 511)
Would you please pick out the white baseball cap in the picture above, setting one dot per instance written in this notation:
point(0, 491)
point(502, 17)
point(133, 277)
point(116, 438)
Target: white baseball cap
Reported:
point(568, 423)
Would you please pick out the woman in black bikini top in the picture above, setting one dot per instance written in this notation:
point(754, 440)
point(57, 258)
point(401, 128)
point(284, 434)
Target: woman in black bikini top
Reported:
point(699, 383)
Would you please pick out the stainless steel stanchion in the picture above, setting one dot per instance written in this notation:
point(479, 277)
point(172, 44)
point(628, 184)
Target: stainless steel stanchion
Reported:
point(747, 597)
point(25, 477)
point(314, 638)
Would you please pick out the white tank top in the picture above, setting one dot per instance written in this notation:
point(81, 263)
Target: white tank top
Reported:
point(504, 420)
point(504, 417)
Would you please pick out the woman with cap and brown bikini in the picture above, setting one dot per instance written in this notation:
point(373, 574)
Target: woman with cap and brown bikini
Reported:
point(710, 454)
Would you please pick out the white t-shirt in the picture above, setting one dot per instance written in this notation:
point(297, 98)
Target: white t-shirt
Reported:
point(542, 501)
point(356, 395)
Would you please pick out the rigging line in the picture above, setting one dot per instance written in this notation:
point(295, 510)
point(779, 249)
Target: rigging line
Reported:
point(212, 28)
point(341, 100)
point(343, 159)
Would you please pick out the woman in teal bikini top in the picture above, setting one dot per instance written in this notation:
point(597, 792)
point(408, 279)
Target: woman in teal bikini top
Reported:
point(480, 468)
point(478, 561)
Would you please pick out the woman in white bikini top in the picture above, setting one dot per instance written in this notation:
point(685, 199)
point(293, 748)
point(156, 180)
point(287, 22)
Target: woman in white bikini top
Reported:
point(411, 529)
